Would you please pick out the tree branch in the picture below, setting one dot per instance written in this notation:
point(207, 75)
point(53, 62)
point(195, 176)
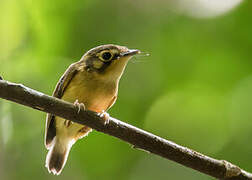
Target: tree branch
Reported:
point(139, 138)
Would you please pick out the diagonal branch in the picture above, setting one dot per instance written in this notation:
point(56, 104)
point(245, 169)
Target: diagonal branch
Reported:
point(139, 138)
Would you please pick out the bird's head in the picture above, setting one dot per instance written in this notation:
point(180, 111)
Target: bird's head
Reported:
point(108, 60)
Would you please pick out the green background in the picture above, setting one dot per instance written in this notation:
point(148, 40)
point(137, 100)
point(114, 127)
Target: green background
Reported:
point(194, 89)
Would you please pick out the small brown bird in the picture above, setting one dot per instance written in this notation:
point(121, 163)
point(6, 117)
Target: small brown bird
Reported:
point(91, 83)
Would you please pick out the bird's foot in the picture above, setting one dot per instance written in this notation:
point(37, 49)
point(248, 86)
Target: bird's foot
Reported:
point(105, 116)
point(67, 123)
point(80, 106)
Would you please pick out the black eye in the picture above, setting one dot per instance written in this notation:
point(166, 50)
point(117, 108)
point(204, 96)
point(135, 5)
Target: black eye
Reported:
point(106, 56)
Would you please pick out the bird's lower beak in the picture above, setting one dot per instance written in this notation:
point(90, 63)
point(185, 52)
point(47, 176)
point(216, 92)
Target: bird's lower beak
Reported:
point(130, 52)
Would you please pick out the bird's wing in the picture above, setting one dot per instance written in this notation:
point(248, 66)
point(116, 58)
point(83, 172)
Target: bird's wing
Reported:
point(50, 130)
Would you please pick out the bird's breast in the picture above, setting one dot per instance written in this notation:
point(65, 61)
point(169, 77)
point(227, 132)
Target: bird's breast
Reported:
point(95, 95)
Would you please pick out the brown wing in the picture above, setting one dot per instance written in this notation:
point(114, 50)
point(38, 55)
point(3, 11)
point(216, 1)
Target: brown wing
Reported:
point(50, 130)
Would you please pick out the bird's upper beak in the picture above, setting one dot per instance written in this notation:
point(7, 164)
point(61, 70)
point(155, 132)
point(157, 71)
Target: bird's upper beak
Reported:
point(130, 52)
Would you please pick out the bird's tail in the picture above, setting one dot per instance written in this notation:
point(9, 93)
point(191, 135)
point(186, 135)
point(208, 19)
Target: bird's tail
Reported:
point(57, 155)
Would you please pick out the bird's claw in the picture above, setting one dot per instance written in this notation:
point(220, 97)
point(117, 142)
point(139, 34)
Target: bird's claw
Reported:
point(105, 116)
point(68, 123)
point(79, 105)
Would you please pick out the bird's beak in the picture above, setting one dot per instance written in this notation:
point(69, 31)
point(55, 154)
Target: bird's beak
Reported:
point(130, 52)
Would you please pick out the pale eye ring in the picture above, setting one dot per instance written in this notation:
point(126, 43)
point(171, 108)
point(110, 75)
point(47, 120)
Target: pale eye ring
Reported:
point(106, 56)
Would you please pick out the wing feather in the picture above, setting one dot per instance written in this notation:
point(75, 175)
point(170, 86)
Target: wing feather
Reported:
point(50, 130)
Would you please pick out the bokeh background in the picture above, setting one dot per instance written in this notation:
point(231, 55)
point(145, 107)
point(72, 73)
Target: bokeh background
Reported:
point(194, 89)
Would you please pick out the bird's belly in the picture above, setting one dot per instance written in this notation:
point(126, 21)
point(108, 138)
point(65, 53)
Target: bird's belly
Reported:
point(95, 99)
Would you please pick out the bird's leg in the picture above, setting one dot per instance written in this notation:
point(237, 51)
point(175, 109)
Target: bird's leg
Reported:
point(80, 106)
point(105, 116)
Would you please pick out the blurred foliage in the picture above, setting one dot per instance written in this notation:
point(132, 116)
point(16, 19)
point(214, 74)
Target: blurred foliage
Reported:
point(194, 89)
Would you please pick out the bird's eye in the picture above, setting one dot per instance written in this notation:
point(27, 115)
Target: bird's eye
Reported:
point(106, 56)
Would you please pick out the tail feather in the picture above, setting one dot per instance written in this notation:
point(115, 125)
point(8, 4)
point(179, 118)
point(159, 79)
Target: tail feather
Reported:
point(57, 156)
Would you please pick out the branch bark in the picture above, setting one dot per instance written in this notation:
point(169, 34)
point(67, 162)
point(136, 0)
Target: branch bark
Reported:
point(139, 138)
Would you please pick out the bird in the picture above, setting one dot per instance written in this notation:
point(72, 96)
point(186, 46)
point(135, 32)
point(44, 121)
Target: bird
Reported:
point(90, 83)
